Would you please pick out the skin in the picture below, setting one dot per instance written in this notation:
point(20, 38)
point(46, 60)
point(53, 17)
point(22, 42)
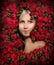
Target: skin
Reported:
point(26, 25)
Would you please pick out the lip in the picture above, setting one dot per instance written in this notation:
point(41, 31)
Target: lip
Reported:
point(26, 30)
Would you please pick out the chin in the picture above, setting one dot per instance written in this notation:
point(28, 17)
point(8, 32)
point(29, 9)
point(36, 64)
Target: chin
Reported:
point(26, 35)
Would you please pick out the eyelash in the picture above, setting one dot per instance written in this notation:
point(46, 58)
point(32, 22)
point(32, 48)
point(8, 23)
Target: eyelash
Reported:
point(30, 21)
point(23, 22)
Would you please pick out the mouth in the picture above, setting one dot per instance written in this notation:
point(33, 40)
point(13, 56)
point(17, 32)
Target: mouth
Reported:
point(26, 31)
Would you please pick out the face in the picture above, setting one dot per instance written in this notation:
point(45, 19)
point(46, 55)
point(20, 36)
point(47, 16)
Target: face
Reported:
point(26, 25)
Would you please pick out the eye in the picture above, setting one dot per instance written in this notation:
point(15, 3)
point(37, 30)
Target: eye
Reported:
point(21, 21)
point(30, 21)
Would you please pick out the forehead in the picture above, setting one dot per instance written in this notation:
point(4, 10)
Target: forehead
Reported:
point(25, 17)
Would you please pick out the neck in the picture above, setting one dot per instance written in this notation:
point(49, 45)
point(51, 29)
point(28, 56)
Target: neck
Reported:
point(28, 40)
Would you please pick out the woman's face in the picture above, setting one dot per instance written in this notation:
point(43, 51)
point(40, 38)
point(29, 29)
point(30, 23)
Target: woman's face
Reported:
point(26, 25)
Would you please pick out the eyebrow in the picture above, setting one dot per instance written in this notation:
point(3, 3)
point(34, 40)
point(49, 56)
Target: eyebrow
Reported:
point(21, 20)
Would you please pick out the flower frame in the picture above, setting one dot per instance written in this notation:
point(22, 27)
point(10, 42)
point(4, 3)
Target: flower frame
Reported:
point(11, 44)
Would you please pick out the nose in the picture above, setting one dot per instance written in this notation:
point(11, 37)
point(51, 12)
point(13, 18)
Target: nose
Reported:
point(25, 26)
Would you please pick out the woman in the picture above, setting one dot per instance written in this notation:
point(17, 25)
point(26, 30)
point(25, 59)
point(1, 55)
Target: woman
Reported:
point(11, 45)
point(26, 25)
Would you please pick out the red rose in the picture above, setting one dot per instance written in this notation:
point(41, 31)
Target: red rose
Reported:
point(33, 7)
point(45, 20)
point(43, 1)
point(37, 34)
point(18, 43)
point(12, 44)
point(28, 58)
point(5, 59)
point(11, 23)
point(10, 49)
point(47, 33)
point(49, 24)
point(42, 58)
point(35, 51)
point(4, 13)
point(22, 4)
point(45, 52)
point(40, 18)
point(22, 63)
point(40, 29)
point(5, 50)
point(49, 11)
point(14, 36)
point(36, 13)
point(12, 7)
point(5, 3)
point(6, 31)
point(32, 33)
point(37, 9)
point(35, 60)
point(14, 16)
point(39, 24)
point(8, 55)
point(47, 42)
point(13, 55)
point(1, 62)
point(7, 20)
point(42, 37)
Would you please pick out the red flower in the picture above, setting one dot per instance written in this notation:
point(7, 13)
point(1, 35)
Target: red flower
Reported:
point(14, 16)
point(35, 60)
point(39, 24)
point(14, 36)
point(1, 62)
point(45, 20)
point(28, 58)
point(35, 52)
point(18, 43)
point(49, 11)
point(32, 33)
point(5, 3)
point(40, 29)
point(42, 58)
point(22, 63)
point(22, 4)
point(40, 18)
point(13, 56)
point(9, 49)
point(47, 42)
point(49, 25)
point(43, 1)
point(37, 34)
point(42, 37)
point(12, 7)
point(4, 13)
point(11, 23)
point(33, 7)
point(8, 55)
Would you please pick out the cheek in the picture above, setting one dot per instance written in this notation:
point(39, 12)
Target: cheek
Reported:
point(20, 27)
point(32, 26)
